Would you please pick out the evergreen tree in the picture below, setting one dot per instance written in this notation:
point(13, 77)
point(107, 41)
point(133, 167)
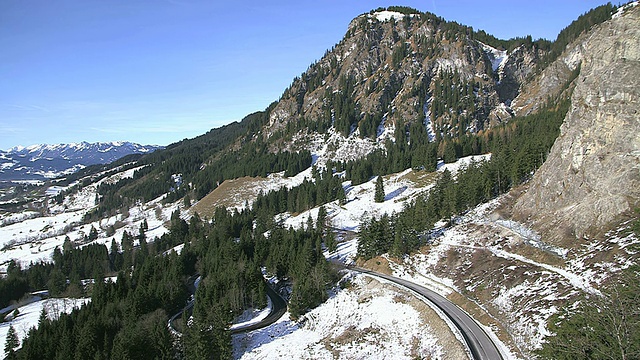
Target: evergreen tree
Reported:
point(330, 241)
point(12, 342)
point(42, 320)
point(93, 234)
point(379, 195)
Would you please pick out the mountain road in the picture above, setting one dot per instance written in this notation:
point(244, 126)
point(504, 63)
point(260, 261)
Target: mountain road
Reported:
point(477, 340)
point(279, 307)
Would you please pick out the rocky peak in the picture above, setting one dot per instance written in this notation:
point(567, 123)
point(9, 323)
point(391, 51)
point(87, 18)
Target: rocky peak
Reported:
point(592, 175)
point(402, 67)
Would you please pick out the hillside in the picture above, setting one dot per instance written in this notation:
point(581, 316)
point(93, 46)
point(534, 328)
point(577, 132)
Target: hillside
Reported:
point(495, 160)
point(395, 73)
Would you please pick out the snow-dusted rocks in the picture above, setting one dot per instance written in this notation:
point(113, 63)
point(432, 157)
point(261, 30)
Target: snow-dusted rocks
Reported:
point(51, 161)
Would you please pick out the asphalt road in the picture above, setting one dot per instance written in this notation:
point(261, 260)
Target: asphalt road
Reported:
point(479, 343)
point(279, 307)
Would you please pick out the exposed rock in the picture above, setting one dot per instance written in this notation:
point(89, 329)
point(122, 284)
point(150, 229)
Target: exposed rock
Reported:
point(552, 81)
point(593, 172)
point(390, 69)
point(520, 63)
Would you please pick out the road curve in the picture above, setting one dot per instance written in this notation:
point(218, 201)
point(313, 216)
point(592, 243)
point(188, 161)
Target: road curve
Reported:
point(278, 308)
point(478, 342)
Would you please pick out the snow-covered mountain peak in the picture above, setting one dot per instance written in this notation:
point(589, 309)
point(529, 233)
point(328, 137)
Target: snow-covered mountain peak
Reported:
point(52, 160)
point(84, 145)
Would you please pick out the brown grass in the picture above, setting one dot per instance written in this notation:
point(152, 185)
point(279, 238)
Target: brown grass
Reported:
point(421, 178)
point(230, 193)
point(378, 264)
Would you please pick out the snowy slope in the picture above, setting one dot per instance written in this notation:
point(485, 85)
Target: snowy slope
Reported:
point(36, 237)
point(500, 266)
point(504, 269)
point(30, 313)
point(366, 321)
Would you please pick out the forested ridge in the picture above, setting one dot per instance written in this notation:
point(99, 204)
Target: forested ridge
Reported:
point(515, 155)
point(229, 251)
point(126, 318)
point(204, 162)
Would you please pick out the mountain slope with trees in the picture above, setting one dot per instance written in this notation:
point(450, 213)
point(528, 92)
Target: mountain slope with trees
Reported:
point(402, 90)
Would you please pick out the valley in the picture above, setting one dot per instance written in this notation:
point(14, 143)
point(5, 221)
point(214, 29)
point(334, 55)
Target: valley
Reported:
point(498, 176)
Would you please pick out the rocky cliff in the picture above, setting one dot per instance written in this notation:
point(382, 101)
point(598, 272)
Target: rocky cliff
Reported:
point(405, 67)
point(592, 175)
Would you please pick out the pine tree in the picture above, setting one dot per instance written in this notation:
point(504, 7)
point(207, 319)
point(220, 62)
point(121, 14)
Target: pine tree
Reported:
point(379, 195)
point(42, 320)
point(93, 234)
point(11, 344)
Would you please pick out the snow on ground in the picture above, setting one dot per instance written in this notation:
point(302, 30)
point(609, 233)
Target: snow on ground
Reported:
point(525, 290)
point(345, 253)
point(387, 15)
point(332, 146)
point(462, 163)
point(625, 8)
point(360, 203)
point(8, 219)
point(362, 322)
point(35, 238)
point(498, 57)
point(352, 322)
point(531, 237)
point(29, 315)
point(252, 316)
point(431, 134)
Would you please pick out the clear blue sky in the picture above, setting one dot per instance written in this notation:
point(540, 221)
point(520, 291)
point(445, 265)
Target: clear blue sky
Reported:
point(158, 71)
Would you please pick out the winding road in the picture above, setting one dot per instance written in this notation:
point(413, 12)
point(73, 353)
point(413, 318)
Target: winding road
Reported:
point(278, 308)
point(478, 342)
point(476, 339)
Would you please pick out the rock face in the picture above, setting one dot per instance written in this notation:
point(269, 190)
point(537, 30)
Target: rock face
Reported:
point(551, 82)
point(593, 172)
point(402, 68)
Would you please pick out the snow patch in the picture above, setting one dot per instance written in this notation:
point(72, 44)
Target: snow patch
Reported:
point(388, 15)
point(252, 316)
point(462, 163)
point(356, 323)
point(428, 124)
point(497, 57)
point(624, 8)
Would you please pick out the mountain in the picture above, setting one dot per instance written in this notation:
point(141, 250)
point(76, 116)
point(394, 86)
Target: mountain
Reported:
point(399, 76)
point(592, 174)
point(509, 170)
point(39, 162)
point(398, 67)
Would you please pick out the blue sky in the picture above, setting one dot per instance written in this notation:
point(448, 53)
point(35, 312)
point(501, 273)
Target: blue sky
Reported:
point(158, 71)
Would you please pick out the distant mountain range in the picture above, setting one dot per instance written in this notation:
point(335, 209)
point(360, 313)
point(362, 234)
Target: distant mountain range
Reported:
point(40, 162)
